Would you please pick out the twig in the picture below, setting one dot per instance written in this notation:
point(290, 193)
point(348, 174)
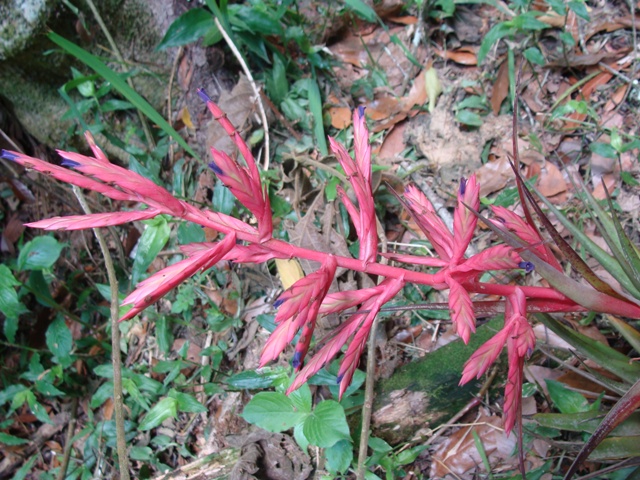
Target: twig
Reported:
point(256, 91)
point(169, 88)
point(68, 441)
point(116, 51)
point(367, 407)
point(118, 397)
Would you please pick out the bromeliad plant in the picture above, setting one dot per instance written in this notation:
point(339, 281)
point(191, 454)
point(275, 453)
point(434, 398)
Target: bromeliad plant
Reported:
point(300, 306)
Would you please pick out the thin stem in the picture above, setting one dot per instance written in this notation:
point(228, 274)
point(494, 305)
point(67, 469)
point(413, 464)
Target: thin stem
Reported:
point(68, 442)
point(118, 397)
point(256, 91)
point(367, 407)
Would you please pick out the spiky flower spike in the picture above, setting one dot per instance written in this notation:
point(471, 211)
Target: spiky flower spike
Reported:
point(300, 306)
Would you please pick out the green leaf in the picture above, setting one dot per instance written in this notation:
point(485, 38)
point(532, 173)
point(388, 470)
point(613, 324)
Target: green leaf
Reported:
point(273, 411)
point(36, 408)
point(534, 55)
point(567, 401)
point(301, 398)
point(298, 434)
point(189, 232)
point(362, 9)
point(492, 36)
point(11, 440)
point(188, 28)
point(315, 105)
point(629, 333)
point(10, 393)
point(121, 85)
point(21, 474)
point(339, 456)
point(603, 149)
point(326, 425)
point(187, 403)
point(604, 355)
point(165, 408)
point(104, 392)
point(164, 334)
point(153, 239)
point(467, 117)
point(528, 21)
point(39, 253)
point(140, 453)
point(10, 306)
point(59, 341)
point(379, 445)
point(10, 328)
point(580, 9)
point(223, 200)
point(408, 456)
point(252, 380)
point(617, 448)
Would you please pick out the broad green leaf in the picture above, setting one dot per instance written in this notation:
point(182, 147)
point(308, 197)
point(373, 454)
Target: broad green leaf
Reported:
point(142, 454)
point(252, 380)
point(408, 456)
point(10, 393)
point(580, 9)
point(339, 456)
point(528, 21)
point(10, 328)
point(165, 408)
point(567, 401)
point(187, 28)
point(492, 36)
point(48, 389)
point(187, 403)
point(104, 392)
point(11, 440)
point(467, 117)
point(603, 149)
point(298, 434)
point(273, 411)
point(362, 9)
point(379, 445)
point(301, 398)
point(326, 425)
point(153, 239)
point(223, 200)
point(121, 85)
point(59, 341)
point(164, 334)
point(10, 306)
point(36, 408)
point(189, 232)
point(115, 105)
point(534, 55)
point(40, 253)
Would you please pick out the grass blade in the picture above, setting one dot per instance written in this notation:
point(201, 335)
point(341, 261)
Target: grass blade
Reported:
point(609, 358)
point(315, 105)
point(121, 86)
point(607, 261)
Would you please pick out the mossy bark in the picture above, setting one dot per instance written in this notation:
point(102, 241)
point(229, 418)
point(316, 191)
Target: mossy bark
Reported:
point(424, 394)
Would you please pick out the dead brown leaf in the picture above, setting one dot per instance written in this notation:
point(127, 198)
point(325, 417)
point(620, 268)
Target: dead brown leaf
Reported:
point(464, 55)
point(340, 117)
point(458, 454)
point(500, 88)
point(238, 105)
point(393, 144)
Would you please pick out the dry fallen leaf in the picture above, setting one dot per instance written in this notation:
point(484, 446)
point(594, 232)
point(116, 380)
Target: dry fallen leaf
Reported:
point(340, 117)
point(500, 88)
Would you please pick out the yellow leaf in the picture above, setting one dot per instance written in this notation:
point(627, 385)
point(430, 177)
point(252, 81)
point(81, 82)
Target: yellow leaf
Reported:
point(433, 86)
point(290, 271)
point(185, 116)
